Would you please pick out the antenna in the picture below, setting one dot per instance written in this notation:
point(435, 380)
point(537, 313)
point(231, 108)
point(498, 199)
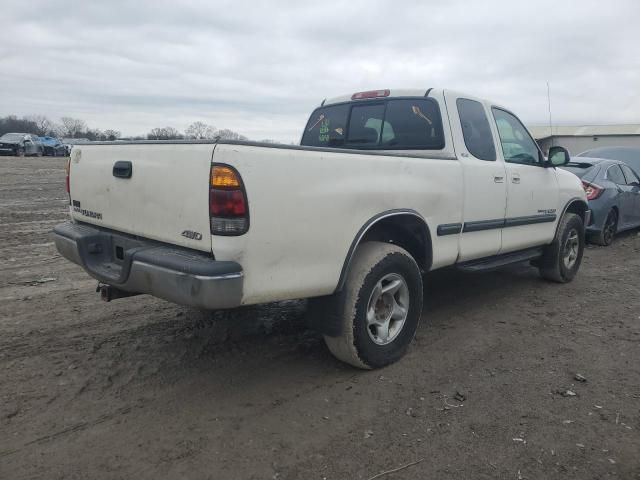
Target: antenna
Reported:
point(549, 105)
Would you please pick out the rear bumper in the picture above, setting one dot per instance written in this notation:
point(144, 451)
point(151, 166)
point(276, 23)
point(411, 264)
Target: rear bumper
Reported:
point(141, 266)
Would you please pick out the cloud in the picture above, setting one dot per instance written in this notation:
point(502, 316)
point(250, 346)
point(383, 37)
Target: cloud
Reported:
point(260, 67)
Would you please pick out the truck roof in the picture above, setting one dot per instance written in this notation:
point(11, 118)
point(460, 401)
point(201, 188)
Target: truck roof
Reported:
point(405, 92)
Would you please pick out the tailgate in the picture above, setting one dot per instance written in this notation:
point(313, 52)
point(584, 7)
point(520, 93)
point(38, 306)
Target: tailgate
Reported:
point(166, 197)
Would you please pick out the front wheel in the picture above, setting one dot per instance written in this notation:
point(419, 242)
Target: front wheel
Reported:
point(562, 258)
point(20, 152)
point(379, 308)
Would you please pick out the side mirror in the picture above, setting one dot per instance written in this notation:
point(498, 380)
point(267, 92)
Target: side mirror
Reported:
point(558, 156)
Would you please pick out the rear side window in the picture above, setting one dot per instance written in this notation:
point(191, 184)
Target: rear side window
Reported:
point(394, 124)
point(475, 129)
point(615, 175)
point(630, 175)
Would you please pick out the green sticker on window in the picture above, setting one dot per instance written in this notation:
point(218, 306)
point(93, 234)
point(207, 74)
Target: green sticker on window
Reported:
point(324, 131)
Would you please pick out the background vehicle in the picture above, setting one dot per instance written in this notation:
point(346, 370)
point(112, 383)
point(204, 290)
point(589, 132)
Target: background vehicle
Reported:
point(423, 180)
point(628, 155)
point(21, 144)
point(53, 147)
point(613, 191)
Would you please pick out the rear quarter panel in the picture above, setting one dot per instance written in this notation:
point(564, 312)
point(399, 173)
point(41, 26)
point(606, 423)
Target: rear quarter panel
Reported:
point(306, 207)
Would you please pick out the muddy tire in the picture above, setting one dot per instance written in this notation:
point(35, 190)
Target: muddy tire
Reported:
point(607, 234)
point(561, 259)
point(379, 307)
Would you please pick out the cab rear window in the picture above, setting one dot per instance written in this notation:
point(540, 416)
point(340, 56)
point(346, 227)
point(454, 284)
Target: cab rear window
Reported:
point(393, 124)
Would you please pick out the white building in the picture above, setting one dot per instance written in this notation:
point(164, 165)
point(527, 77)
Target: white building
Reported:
point(578, 138)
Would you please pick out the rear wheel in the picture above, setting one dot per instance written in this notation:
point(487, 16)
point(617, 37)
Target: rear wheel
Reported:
point(379, 308)
point(562, 258)
point(606, 235)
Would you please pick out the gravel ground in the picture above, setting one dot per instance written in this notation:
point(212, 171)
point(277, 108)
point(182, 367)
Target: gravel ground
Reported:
point(146, 389)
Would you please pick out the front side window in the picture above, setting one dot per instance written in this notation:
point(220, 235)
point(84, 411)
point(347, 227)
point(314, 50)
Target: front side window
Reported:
point(475, 129)
point(615, 175)
point(517, 144)
point(391, 124)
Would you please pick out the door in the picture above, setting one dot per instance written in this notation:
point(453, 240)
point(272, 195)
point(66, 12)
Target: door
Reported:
point(532, 189)
point(625, 200)
point(633, 187)
point(484, 178)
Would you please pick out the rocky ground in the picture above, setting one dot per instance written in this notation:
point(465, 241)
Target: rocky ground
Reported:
point(509, 376)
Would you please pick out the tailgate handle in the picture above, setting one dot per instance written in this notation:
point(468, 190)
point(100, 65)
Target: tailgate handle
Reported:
point(122, 169)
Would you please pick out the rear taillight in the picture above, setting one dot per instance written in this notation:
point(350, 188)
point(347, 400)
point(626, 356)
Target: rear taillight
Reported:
point(592, 190)
point(228, 207)
point(67, 170)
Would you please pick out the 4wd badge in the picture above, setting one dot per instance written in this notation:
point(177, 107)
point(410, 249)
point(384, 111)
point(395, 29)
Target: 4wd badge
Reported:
point(192, 235)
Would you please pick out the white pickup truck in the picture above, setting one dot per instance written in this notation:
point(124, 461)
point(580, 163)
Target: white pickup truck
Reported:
point(386, 185)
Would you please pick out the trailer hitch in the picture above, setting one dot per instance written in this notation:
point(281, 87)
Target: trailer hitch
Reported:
point(109, 292)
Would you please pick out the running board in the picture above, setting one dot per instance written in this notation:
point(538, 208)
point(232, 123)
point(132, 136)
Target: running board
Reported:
point(497, 261)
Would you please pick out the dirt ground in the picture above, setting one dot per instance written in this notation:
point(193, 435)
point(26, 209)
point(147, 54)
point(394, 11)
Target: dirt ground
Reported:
point(140, 388)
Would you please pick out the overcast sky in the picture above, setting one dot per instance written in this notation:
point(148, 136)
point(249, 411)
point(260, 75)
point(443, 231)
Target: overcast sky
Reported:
point(259, 68)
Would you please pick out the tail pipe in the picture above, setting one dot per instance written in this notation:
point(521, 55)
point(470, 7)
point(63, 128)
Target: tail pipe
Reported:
point(109, 292)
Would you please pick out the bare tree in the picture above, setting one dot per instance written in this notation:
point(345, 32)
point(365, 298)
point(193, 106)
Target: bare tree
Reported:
point(44, 126)
point(73, 126)
point(12, 123)
point(226, 134)
point(111, 134)
point(58, 130)
point(164, 133)
point(200, 130)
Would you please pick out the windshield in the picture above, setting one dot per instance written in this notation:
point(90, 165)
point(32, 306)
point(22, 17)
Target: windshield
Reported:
point(628, 155)
point(394, 124)
point(11, 137)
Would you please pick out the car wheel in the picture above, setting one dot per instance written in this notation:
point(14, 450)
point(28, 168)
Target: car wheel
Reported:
point(379, 307)
point(39, 153)
point(562, 258)
point(606, 235)
point(20, 152)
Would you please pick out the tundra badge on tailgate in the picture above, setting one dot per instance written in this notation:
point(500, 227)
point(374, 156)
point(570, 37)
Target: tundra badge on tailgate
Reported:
point(192, 235)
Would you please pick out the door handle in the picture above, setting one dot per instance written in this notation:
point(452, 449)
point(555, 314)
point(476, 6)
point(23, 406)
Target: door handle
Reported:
point(515, 178)
point(498, 179)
